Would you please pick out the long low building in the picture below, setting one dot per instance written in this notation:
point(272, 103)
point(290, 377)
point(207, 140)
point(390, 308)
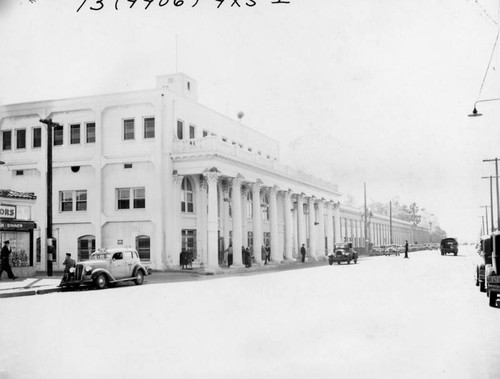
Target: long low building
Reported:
point(160, 172)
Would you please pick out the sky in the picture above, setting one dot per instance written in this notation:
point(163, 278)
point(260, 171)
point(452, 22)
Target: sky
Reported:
point(364, 91)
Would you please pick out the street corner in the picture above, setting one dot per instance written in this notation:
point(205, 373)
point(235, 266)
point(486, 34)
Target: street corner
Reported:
point(28, 287)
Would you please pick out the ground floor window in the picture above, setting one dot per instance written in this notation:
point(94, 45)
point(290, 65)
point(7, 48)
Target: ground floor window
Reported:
point(267, 239)
point(143, 247)
point(250, 239)
point(21, 247)
point(86, 246)
point(189, 241)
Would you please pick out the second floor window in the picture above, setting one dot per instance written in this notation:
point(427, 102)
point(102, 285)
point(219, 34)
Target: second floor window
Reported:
point(73, 200)
point(21, 139)
point(131, 198)
point(90, 132)
point(128, 129)
point(149, 127)
point(180, 129)
point(37, 137)
point(58, 135)
point(7, 140)
point(74, 131)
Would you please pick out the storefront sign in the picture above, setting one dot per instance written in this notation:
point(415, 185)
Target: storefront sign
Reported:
point(17, 225)
point(8, 211)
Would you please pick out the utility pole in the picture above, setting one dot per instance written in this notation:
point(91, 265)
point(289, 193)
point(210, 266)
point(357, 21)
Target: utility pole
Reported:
point(498, 195)
point(366, 219)
point(49, 243)
point(491, 199)
point(486, 212)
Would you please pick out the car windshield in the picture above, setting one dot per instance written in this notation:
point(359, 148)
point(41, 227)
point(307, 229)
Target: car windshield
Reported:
point(341, 245)
point(96, 256)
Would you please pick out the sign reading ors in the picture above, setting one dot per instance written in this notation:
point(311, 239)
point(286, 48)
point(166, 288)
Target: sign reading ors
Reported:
point(7, 211)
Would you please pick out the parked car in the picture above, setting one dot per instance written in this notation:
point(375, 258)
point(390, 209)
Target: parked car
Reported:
point(107, 266)
point(343, 252)
point(492, 272)
point(484, 250)
point(449, 246)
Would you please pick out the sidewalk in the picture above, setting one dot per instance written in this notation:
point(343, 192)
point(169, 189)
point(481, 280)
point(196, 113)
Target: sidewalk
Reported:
point(29, 286)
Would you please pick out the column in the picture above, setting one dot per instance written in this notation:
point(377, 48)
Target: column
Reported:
point(225, 213)
point(244, 215)
point(329, 227)
point(312, 228)
point(212, 262)
point(173, 258)
point(257, 222)
point(287, 206)
point(203, 221)
point(337, 222)
point(237, 238)
point(276, 255)
point(300, 223)
point(321, 229)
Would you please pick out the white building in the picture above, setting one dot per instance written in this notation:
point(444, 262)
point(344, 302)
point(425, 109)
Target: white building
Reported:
point(157, 171)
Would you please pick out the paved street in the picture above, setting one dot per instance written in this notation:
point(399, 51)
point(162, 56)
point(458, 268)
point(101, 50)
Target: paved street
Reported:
point(385, 317)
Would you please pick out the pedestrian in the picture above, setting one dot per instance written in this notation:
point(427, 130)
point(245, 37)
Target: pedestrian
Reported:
point(248, 256)
point(68, 264)
point(303, 252)
point(268, 254)
point(183, 260)
point(406, 249)
point(225, 256)
point(263, 253)
point(4, 255)
point(229, 255)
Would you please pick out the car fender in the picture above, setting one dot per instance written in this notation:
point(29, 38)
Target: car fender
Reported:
point(103, 271)
point(140, 267)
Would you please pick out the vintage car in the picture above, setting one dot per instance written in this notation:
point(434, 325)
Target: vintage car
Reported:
point(484, 250)
point(449, 246)
point(343, 252)
point(492, 271)
point(104, 267)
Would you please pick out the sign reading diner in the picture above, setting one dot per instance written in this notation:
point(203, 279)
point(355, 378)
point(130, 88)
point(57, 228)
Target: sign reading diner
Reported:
point(7, 211)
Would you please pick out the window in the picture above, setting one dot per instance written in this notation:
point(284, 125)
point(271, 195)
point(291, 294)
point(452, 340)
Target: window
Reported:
point(189, 241)
point(137, 195)
point(143, 247)
point(249, 205)
point(149, 127)
point(74, 134)
point(37, 137)
point(180, 129)
point(249, 238)
point(73, 200)
point(7, 140)
point(21, 139)
point(86, 246)
point(38, 250)
point(187, 196)
point(205, 133)
point(90, 126)
point(58, 135)
point(128, 129)
point(191, 131)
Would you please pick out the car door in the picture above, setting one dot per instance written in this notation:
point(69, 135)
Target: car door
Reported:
point(118, 265)
point(129, 263)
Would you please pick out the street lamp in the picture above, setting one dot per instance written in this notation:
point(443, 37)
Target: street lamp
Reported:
point(49, 240)
point(475, 113)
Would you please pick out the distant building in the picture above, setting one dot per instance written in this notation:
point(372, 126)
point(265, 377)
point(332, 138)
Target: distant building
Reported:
point(157, 171)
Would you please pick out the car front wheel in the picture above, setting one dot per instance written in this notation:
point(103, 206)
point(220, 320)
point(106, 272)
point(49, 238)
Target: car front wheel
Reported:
point(493, 299)
point(139, 278)
point(101, 281)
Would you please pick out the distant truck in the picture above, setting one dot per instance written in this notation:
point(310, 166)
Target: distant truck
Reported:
point(449, 246)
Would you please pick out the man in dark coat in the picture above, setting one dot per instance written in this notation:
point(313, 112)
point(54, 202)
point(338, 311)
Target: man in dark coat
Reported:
point(406, 249)
point(303, 252)
point(4, 255)
point(68, 264)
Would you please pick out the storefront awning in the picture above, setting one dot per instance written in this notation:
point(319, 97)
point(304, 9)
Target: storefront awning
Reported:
point(17, 225)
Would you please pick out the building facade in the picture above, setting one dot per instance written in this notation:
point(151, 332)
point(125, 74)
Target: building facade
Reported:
point(160, 172)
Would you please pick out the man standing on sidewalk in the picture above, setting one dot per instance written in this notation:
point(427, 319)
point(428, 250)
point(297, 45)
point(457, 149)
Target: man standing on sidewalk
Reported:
point(4, 255)
point(303, 252)
point(406, 249)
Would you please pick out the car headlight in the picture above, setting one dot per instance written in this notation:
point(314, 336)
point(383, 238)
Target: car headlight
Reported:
point(72, 270)
point(88, 270)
